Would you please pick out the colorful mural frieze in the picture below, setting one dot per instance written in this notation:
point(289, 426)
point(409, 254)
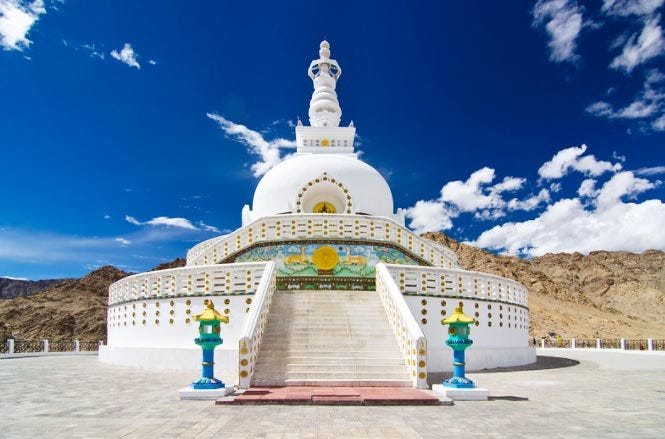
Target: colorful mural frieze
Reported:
point(326, 259)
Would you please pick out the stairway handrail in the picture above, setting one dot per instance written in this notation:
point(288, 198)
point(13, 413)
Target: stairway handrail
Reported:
point(254, 325)
point(412, 341)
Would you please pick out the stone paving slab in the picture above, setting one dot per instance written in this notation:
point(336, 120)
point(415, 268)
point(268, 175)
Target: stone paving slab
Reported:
point(78, 397)
point(333, 396)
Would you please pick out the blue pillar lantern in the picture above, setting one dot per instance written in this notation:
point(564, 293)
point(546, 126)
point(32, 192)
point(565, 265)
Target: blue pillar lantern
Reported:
point(209, 338)
point(458, 340)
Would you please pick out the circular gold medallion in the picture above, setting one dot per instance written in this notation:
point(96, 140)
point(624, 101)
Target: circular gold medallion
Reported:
point(325, 258)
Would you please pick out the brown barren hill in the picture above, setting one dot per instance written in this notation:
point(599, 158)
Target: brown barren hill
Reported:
point(602, 294)
point(68, 309)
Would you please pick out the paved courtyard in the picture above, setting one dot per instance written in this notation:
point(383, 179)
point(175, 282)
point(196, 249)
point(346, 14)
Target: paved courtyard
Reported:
point(606, 395)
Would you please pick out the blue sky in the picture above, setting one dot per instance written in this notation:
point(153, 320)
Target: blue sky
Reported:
point(522, 127)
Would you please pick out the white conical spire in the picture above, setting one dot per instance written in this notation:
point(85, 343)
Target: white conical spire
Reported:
point(324, 109)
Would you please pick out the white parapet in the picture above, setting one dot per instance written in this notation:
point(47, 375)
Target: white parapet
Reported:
point(412, 341)
point(321, 226)
point(249, 341)
point(475, 394)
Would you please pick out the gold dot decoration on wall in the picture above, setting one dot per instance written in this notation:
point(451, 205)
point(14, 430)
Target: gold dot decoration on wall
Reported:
point(477, 323)
point(143, 321)
point(248, 301)
point(227, 301)
point(226, 310)
point(188, 302)
point(423, 311)
point(157, 304)
point(172, 303)
point(476, 305)
point(423, 321)
point(170, 321)
point(489, 323)
point(443, 312)
point(188, 311)
point(243, 373)
point(144, 304)
point(244, 362)
point(156, 321)
point(423, 302)
point(187, 320)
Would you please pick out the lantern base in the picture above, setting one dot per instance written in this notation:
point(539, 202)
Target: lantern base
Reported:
point(207, 383)
point(205, 394)
point(460, 394)
point(458, 383)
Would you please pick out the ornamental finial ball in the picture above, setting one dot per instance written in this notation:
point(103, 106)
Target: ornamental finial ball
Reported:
point(324, 49)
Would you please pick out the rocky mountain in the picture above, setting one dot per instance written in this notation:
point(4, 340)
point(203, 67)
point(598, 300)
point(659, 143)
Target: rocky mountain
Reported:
point(10, 288)
point(602, 294)
point(64, 311)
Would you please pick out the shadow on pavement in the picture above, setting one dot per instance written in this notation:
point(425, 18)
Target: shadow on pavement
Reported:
point(542, 363)
point(507, 398)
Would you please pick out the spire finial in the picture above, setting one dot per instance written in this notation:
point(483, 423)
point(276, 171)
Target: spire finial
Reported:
point(324, 109)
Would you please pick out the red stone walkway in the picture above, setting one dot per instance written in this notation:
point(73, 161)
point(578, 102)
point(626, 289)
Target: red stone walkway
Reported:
point(332, 396)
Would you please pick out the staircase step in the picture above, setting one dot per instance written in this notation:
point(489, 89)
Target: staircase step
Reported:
point(332, 383)
point(330, 338)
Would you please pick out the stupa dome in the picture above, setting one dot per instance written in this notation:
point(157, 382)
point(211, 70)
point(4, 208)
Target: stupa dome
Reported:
point(336, 183)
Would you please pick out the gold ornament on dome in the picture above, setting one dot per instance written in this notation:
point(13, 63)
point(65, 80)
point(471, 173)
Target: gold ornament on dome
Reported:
point(324, 207)
point(325, 258)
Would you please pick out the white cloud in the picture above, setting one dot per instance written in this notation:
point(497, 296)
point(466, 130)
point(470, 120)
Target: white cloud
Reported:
point(563, 23)
point(587, 188)
point(530, 203)
point(624, 8)
point(659, 124)
point(13, 278)
point(16, 19)
point(639, 49)
point(152, 62)
point(475, 195)
point(573, 159)
point(127, 56)
point(92, 51)
point(208, 227)
point(107, 216)
point(648, 104)
point(569, 226)
point(182, 223)
point(654, 170)
point(555, 187)
point(268, 151)
point(123, 241)
point(429, 216)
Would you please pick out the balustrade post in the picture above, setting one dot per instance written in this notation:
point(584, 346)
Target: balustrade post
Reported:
point(10, 345)
point(45, 345)
point(77, 345)
point(650, 344)
point(599, 343)
point(542, 343)
point(573, 343)
point(623, 344)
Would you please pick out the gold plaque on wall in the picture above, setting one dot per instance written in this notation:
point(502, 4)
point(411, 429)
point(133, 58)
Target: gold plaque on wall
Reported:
point(325, 258)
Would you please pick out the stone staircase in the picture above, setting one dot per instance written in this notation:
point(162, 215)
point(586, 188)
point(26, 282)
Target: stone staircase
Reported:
point(329, 338)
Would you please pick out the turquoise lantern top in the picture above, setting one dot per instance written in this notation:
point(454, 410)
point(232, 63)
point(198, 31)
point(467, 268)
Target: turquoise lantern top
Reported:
point(209, 326)
point(458, 332)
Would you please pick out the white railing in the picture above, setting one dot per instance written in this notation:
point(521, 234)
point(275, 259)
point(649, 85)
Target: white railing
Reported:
point(188, 281)
point(450, 282)
point(411, 339)
point(251, 334)
point(316, 226)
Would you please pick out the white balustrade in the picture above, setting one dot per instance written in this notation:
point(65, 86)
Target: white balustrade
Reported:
point(411, 339)
point(251, 334)
point(317, 226)
point(457, 283)
point(188, 281)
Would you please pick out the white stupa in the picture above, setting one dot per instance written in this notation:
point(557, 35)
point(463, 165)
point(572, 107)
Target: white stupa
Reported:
point(323, 283)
